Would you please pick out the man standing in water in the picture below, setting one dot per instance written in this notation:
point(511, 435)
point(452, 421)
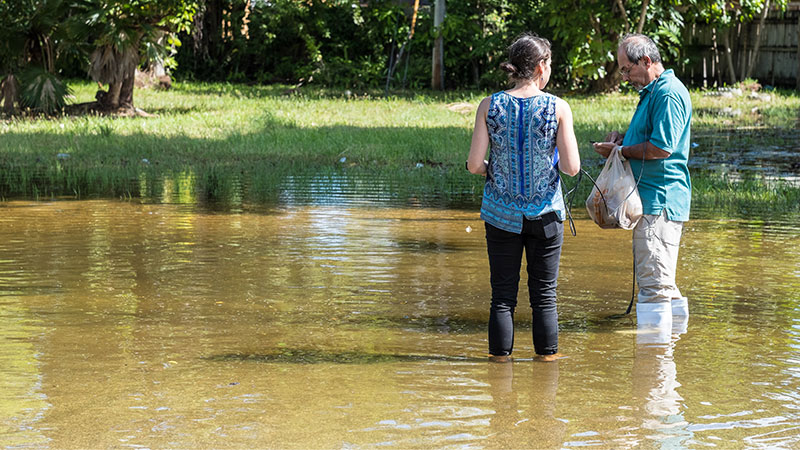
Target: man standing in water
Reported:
point(657, 144)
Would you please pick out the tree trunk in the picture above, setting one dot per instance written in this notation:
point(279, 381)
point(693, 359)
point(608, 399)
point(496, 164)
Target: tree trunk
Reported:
point(437, 71)
point(754, 58)
point(642, 17)
point(246, 20)
point(621, 7)
point(715, 72)
point(613, 78)
point(120, 93)
point(609, 82)
point(110, 101)
point(797, 76)
point(207, 35)
point(126, 91)
point(393, 66)
point(10, 93)
point(199, 42)
point(743, 54)
point(726, 42)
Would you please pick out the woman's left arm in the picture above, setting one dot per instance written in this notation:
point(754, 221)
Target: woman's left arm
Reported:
point(569, 159)
point(476, 163)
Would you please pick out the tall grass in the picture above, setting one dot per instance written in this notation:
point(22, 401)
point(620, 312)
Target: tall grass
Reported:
point(233, 135)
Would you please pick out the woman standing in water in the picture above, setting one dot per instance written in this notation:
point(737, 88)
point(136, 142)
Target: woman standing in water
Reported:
point(531, 137)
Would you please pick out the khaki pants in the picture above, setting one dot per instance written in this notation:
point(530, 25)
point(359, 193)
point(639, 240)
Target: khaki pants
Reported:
point(656, 241)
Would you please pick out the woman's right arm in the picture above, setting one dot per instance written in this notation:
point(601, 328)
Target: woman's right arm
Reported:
point(476, 163)
point(569, 159)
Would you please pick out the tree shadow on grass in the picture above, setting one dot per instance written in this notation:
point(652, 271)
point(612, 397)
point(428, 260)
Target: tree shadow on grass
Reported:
point(400, 164)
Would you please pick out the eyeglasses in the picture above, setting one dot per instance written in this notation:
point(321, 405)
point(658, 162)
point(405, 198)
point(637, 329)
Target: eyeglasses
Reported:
point(624, 71)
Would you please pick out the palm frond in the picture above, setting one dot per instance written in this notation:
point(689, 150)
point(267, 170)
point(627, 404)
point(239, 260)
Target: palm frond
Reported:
point(43, 91)
point(108, 65)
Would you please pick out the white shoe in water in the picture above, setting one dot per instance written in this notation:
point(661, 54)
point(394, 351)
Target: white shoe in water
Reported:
point(680, 324)
point(654, 315)
point(654, 322)
point(680, 306)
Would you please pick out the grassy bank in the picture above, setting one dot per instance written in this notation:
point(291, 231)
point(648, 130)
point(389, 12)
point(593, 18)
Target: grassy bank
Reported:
point(216, 138)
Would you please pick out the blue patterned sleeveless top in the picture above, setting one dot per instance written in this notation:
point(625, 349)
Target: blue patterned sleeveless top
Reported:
point(522, 178)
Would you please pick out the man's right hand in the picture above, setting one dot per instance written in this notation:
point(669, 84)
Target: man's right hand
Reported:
point(604, 148)
point(615, 137)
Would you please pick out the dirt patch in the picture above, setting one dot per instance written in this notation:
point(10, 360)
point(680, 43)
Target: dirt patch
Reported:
point(461, 107)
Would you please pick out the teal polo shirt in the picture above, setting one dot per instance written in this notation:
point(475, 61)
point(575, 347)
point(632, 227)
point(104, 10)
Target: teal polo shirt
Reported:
point(663, 118)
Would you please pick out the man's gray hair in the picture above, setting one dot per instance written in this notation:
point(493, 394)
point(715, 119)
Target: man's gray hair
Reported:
point(638, 45)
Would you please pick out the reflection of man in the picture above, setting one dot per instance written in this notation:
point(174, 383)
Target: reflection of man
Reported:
point(655, 386)
point(657, 144)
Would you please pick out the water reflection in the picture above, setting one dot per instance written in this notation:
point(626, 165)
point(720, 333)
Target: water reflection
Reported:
point(23, 404)
point(156, 325)
point(768, 151)
point(656, 388)
point(231, 189)
point(525, 406)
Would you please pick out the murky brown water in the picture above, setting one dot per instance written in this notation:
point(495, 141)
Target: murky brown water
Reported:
point(169, 326)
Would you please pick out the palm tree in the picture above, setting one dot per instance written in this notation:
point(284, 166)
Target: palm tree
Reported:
point(117, 32)
point(29, 38)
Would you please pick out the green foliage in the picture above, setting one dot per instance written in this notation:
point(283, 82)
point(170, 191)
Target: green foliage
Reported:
point(29, 41)
point(351, 43)
point(112, 30)
point(589, 32)
point(725, 13)
point(333, 42)
point(28, 33)
point(43, 91)
point(344, 43)
point(41, 37)
point(12, 36)
point(477, 34)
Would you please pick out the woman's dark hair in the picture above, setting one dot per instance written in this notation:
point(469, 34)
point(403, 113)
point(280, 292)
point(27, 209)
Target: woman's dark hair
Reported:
point(524, 55)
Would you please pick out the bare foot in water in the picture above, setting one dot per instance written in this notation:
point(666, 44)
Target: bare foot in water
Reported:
point(499, 358)
point(549, 358)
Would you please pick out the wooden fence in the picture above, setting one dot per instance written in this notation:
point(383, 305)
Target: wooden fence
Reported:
point(777, 62)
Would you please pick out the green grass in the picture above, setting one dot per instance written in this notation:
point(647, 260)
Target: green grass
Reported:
point(214, 138)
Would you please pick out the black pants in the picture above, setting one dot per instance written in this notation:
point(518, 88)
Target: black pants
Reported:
point(541, 239)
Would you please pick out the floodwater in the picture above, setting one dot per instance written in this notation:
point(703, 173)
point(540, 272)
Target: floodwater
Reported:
point(770, 153)
point(130, 325)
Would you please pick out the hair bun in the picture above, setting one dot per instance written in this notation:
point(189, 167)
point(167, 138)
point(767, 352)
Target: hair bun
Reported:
point(508, 67)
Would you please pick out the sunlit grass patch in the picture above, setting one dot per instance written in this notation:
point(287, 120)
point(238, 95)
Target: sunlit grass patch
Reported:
point(231, 136)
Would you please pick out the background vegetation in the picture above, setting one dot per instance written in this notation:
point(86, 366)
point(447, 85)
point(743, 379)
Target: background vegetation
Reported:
point(352, 43)
point(346, 43)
